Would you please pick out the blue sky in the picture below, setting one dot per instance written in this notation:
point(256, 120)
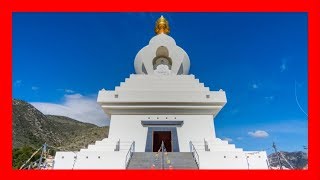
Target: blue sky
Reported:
point(61, 60)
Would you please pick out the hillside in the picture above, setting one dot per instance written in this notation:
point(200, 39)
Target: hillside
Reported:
point(32, 128)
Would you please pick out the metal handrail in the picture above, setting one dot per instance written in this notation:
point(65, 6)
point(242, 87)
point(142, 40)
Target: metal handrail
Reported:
point(163, 148)
point(129, 154)
point(195, 154)
point(118, 146)
point(206, 146)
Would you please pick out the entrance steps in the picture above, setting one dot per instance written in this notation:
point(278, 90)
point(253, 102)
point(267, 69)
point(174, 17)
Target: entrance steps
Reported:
point(177, 160)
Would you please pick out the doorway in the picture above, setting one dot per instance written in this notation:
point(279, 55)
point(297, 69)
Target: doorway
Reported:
point(158, 137)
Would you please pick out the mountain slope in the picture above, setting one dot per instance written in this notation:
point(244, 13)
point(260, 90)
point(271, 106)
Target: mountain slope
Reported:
point(74, 135)
point(32, 128)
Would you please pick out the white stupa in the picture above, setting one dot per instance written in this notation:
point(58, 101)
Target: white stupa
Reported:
point(162, 102)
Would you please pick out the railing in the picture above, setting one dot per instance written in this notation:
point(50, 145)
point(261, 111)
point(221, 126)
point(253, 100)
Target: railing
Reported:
point(117, 146)
point(195, 154)
point(160, 157)
point(206, 146)
point(163, 148)
point(129, 154)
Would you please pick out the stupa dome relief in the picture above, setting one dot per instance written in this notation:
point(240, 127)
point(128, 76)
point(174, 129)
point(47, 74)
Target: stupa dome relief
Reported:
point(162, 50)
point(162, 57)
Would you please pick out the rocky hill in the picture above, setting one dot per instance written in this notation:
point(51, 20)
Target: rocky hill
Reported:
point(32, 128)
point(298, 160)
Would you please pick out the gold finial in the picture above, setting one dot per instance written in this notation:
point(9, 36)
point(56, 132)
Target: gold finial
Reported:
point(162, 26)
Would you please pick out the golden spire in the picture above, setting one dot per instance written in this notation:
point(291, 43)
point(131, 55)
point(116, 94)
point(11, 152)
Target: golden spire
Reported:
point(162, 26)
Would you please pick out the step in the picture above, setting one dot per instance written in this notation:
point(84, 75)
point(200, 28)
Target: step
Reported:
point(178, 160)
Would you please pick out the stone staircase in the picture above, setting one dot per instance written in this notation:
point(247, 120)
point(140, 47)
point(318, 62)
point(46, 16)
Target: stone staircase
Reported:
point(177, 160)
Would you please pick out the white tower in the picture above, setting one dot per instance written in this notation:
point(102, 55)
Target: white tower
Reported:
point(162, 103)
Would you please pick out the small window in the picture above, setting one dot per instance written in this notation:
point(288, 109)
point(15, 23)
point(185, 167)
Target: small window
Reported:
point(87, 157)
point(224, 156)
point(207, 96)
point(62, 157)
point(116, 96)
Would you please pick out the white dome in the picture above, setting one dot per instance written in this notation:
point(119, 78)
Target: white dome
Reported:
point(162, 49)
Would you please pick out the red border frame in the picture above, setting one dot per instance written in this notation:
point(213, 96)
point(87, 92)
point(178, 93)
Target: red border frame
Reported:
point(7, 7)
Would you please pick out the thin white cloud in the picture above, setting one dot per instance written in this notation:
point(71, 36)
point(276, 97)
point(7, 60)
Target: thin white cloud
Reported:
point(275, 128)
point(35, 88)
point(235, 111)
point(239, 138)
point(283, 66)
point(269, 98)
point(76, 106)
point(17, 83)
point(278, 126)
point(69, 91)
point(258, 134)
point(255, 86)
point(227, 139)
point(288, 127)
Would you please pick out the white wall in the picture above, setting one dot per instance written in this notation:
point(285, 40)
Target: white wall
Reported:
point(257, 160)
point(90, 160)
point(64, 160)
point(232, 160)
point(129, 127)
point(195, 128)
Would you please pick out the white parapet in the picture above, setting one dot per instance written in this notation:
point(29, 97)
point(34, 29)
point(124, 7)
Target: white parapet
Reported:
point(232, 160)
point(219, 154)
point(90, 160)
point(105, 154)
